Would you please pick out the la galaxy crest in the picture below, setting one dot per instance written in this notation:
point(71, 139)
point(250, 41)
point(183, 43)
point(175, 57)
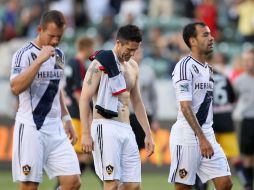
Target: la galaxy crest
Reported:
point(109, 169)
point(26, 169)
point(182, 173)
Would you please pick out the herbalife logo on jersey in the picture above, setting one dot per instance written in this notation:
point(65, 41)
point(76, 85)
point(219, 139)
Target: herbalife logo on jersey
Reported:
point(52, 75)
point(204, 86)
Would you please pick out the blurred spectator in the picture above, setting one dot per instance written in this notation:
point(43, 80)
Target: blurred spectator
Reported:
point(115, 5)
point(237, 68)
point(221, 63)
point(207, 12)
point(67, 8)
point(10, 20)
point(96, 9)
point(245, 92)
point(30, 18)
point(189, 7)
point(80, 15)
point(107, 27)
point(131, 12)
point(160, 8)
point(245, 11)
point(226, 136)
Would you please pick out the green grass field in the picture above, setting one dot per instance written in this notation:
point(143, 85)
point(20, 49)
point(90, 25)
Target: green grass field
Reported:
point(150, 181)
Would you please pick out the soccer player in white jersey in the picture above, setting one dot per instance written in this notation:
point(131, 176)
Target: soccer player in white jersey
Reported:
point(193, 146)
point(40, 140)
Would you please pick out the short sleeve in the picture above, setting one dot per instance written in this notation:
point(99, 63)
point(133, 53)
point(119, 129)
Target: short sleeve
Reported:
point(20, 62)
point(182, 81)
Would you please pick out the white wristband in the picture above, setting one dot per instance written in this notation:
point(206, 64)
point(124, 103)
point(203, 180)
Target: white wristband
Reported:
point(66, 118)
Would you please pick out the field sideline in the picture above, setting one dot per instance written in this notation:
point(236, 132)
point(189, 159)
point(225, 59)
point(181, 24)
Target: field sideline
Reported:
point(90, 182)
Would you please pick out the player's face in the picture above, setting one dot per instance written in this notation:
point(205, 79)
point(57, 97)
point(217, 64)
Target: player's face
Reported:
point(204, 39)
point(51, 35)
point(126, 49)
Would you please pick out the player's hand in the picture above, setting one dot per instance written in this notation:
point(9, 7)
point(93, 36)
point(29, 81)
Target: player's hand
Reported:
point(205, 147)
point(87, 144)
point(149, 145)
point(46, 52)
point(70, 132)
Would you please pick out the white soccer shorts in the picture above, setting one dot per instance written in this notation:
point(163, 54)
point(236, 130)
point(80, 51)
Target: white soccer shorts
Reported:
point(186, 162)
point(34, 151)
point(116, 155)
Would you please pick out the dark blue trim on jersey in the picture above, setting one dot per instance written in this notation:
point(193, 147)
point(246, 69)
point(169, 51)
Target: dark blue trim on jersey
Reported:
point(182, 80)
point(20, 53)
point(35, 46)
point(183, 65)
point(45, 103)
point(203, 65)
point(204, 108)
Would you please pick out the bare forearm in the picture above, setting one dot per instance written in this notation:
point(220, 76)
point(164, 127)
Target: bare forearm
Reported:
point(85, 116)
point(141, 115)
point(64, 110)
point(192, 120)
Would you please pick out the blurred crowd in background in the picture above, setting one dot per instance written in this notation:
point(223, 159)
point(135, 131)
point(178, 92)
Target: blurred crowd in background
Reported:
point(231, 23)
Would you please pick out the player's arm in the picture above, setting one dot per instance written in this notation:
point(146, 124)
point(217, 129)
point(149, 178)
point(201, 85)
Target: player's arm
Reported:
point(24, 80)
point(89, 89)
point(67, 120)
point(205, 146)
point(140, 112)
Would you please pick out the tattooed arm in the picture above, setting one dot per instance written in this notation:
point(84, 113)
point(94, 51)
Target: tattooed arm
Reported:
point(205, 147)
point(89, 89)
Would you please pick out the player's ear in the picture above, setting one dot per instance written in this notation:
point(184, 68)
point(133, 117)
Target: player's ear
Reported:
point(192, 41)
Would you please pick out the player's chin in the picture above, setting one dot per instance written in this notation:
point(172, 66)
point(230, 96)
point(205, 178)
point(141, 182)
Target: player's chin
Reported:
point(127, 58)
point(208, 52)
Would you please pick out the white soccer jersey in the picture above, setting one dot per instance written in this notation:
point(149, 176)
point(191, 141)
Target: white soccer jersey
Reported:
point(40, 102)
point(193, 81)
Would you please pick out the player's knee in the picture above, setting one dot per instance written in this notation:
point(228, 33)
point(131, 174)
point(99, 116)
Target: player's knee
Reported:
point(227, 186)
point(74, 184)
point(130, 186)
point(77, 183)
point(111, 184)
point(136, 186)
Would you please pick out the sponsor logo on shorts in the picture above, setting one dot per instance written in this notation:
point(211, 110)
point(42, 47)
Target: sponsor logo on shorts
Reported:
point(26, 169)
point(182, 173)
point(109, 169)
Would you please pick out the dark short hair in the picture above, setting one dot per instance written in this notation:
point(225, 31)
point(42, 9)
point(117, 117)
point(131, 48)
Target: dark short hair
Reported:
point(129, 33)
point(190, 31)
point(52, 16)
